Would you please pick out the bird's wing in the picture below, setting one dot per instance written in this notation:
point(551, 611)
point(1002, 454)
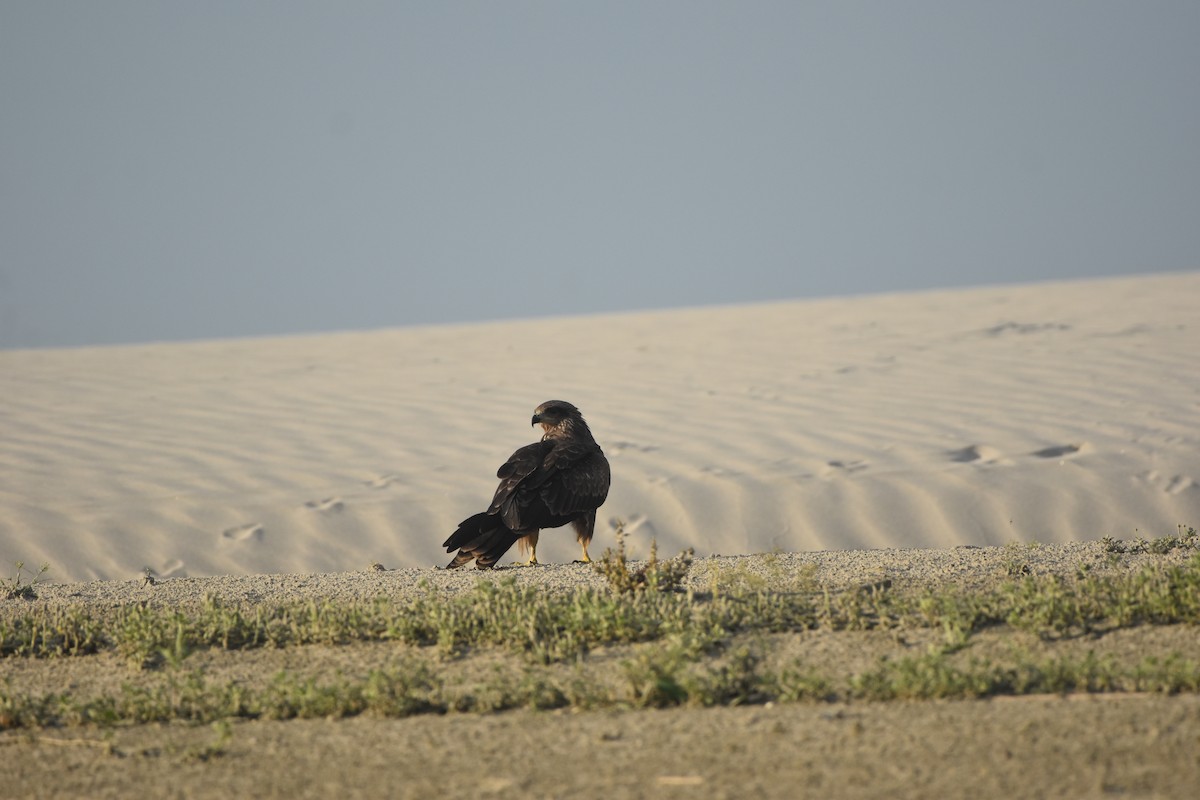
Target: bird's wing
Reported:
point(576, 478)
point(513, 473)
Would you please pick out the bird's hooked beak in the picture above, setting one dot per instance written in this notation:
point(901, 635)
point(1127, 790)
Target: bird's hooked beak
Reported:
point(536, 419)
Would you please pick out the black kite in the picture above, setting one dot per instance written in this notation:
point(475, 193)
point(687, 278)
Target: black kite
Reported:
point(562, 478)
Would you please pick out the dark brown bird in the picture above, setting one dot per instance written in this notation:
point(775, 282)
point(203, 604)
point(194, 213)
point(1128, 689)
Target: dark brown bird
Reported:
point(562, 478)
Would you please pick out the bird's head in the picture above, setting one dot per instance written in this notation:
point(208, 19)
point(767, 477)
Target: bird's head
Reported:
point(556, 415)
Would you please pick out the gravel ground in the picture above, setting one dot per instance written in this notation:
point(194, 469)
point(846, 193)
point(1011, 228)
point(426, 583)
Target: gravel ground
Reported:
point(1128, 745)
point(966, 566)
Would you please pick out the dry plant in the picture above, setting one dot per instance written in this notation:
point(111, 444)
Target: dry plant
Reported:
point(17, 588)
point(654, 575)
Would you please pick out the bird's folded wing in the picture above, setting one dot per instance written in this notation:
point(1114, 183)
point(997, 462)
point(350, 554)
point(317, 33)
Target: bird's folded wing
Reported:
point(577, 480)
point(517, 470)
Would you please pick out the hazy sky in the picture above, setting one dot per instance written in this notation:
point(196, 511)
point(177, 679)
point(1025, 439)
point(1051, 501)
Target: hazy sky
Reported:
point(176, 170)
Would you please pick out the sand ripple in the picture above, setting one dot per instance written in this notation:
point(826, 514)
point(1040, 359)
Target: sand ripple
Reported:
point(1055, 412)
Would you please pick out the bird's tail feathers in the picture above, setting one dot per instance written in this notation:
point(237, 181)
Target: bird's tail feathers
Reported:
point(482, 537)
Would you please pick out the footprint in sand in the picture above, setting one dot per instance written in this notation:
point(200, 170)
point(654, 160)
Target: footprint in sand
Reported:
point(1132, 330)
point(719, 472)
point(1025, 328)
point(1179, 483)
point(1176, 484)
point(330, 505)
point(243, 533)
point(848, 467)
point(976, 454)
point(1063, 450)
point(382, 482)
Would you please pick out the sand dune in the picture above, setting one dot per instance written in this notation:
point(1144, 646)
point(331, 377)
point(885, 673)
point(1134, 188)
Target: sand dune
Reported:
point(1052, 412)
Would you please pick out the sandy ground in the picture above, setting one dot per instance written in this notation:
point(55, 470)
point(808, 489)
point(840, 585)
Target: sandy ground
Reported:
point(1090, 746)
point(900, 436)
point(1049, 412)
point(1130, 745)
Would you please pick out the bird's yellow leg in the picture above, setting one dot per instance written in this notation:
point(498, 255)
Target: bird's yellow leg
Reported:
point(528, 542)
point(586, 558)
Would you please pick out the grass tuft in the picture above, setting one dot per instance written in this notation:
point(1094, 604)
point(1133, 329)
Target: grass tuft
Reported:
point(653, 576)
point(20, 588)
point(1184, 539)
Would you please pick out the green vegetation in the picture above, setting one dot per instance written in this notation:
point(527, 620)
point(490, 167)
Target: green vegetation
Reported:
point(556, 627)
point(644, 641)
point(1184, 539)
point(658, 677)
point(653, 576)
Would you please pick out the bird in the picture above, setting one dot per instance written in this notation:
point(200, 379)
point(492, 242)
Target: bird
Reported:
point(562, 478)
